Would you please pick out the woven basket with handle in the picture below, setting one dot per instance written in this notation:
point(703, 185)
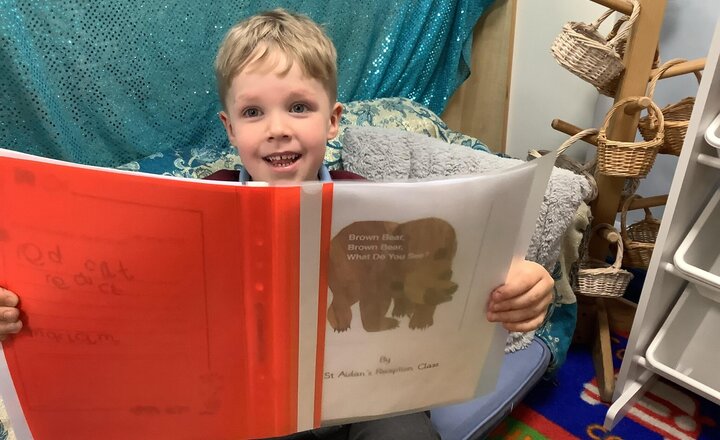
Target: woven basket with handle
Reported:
point(638, 238)
point(677, 116)
point(568, 163)
point(598, 278)
point(595, 58)
point(628, 159)
point(629, 187)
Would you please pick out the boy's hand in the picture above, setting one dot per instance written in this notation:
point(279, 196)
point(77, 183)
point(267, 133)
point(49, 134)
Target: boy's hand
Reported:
point(9, 314)
point(521, 303)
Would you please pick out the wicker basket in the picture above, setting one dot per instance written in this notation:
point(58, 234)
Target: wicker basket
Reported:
point(597, 278)
point(628, 159)
point(638, 238)
point(595, 58)
point(677, 116)
point(568, 163)
point(629, 187)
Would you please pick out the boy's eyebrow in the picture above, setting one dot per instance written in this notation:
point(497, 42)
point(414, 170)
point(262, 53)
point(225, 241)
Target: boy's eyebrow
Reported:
point(302, 93)
point(293, 94)
point(246, 96)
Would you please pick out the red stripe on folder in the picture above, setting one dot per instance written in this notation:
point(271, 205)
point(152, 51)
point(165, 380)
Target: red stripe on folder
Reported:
point(271, 280)
point(327, 197)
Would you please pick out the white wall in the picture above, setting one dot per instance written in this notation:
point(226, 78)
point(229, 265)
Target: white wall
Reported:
point(540, 89)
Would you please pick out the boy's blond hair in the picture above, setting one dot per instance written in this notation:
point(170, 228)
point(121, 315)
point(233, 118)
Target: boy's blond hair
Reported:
point(296, 36)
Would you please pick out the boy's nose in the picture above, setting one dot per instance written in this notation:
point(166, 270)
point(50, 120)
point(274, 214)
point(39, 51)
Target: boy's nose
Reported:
point(277, 127)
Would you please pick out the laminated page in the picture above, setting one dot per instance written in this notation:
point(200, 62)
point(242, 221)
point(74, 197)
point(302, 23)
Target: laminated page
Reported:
point(411, 269)
point(157, 307)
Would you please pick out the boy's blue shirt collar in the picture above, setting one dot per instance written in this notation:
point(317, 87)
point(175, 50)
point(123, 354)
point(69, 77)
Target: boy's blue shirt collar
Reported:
point(323, 175)
point(244, 176)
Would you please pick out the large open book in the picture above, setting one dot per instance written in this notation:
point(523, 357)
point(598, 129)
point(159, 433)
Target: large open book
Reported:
point(193, 309)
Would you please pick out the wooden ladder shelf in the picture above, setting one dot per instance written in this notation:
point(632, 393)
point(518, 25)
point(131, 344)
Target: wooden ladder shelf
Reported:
point(638, 61)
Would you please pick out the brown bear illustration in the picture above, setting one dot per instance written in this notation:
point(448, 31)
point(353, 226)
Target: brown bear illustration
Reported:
point(376, 263)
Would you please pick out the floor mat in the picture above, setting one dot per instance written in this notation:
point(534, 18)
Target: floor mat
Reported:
point(568, 407)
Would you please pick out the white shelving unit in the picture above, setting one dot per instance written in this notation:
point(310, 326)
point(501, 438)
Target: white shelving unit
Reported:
point(676, 331)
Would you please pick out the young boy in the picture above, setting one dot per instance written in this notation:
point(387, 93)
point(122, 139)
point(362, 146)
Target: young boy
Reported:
point(277, 81)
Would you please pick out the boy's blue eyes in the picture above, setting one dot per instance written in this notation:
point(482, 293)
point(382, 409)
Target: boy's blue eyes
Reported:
point(254, 112)
point(251, 113)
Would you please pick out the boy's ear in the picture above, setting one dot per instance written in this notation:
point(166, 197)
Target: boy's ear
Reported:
point(335, 114)
point(228, 127)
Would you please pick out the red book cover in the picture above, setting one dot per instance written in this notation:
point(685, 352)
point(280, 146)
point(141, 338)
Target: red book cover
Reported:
point(160, 304)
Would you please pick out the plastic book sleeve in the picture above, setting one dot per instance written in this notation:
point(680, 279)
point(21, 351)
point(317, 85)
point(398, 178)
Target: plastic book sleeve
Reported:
point(408, 288)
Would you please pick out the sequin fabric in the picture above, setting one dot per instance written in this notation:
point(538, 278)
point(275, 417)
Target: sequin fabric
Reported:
point(108, 82)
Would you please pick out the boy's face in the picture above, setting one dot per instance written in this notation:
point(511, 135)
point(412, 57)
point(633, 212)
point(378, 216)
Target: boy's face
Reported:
point(280, 124)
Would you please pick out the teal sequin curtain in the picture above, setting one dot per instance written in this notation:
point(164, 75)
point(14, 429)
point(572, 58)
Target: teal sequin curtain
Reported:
point(105, 82)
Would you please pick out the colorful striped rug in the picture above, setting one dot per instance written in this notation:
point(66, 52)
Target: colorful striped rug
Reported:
point(568, 407)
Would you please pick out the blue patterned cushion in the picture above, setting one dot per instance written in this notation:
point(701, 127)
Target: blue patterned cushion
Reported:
point(402, 113)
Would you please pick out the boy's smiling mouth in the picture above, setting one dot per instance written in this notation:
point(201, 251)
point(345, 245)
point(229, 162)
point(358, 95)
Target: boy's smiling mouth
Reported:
point(282, 160)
